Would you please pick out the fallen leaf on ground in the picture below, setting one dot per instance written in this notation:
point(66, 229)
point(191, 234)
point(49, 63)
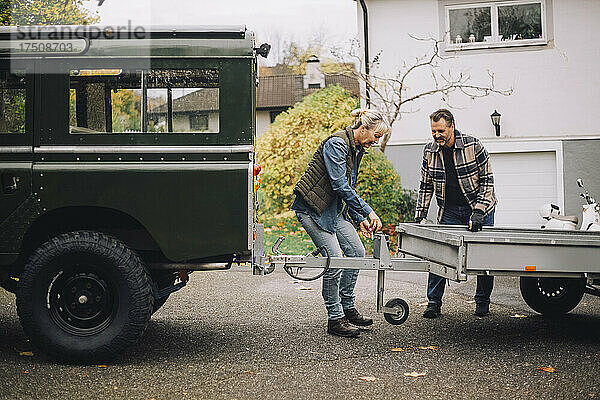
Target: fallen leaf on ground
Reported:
point(367, 378)
point(518, 316)
point(547, 369)
point(415, 374)
point(304, 288)
point(26, 353)
point(397, 349)
point(427, 347)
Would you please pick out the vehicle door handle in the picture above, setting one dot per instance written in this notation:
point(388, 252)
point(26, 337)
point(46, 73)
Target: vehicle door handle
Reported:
point(10, 184)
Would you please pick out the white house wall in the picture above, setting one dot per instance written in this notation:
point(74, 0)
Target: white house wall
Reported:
point(555, 86)
point(263, 121)
point(181, 122)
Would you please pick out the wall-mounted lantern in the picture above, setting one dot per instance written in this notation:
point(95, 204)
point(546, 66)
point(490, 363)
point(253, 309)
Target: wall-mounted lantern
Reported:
point(496, 121)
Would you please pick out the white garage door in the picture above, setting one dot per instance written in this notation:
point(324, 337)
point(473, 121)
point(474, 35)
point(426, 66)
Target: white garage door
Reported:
point(524, 182)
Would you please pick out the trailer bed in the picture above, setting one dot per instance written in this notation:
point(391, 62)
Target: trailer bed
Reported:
point(496, 251)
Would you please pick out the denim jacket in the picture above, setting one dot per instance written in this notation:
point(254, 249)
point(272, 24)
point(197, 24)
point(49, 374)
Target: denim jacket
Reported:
point(335, 153)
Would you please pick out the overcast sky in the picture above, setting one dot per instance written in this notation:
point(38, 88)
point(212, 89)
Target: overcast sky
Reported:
point(290, 19)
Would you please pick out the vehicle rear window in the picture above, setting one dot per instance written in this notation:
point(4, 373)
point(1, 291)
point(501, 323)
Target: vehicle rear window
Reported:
point(138, 101)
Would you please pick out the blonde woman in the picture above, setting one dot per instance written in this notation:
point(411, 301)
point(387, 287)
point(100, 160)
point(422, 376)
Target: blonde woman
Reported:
point(326, 203)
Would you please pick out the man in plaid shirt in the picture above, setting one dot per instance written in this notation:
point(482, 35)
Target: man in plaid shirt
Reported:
point(456, 167)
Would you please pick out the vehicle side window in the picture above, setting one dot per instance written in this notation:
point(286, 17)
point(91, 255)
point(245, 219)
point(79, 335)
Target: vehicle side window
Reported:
point(135, 101)
point(183, 100)
point(12, 107)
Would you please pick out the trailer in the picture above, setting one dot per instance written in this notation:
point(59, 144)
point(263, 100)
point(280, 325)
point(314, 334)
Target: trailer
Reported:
point(556, 268)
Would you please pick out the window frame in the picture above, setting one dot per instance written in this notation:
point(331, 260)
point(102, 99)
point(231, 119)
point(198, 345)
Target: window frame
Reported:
point(25, 138)
point(144, 112)
point(496, 43)
point(236, 87)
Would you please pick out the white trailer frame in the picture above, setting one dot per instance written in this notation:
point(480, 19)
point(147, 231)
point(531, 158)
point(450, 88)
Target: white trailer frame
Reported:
point(453, 252)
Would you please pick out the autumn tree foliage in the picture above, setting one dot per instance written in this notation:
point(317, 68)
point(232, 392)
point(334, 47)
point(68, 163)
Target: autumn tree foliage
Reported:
point(45, 12)
point(287, 146)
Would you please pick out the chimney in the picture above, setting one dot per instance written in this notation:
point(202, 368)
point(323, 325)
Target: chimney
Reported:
point(314, 78)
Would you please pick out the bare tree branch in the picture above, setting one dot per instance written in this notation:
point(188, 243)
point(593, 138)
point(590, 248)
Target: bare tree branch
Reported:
point(392, 95)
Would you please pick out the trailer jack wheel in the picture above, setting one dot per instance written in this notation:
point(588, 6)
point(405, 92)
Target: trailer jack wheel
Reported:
point(399, 311)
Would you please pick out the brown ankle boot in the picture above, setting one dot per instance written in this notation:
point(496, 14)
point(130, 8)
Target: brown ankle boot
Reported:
point(341, 327)
point(355, 318)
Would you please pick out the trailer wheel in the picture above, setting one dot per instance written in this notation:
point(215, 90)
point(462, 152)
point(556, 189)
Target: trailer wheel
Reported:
point(84, 297)
point(552, 296)
point(401, 314)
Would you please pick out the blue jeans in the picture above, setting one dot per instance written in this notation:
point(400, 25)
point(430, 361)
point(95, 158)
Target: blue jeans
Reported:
point(459, 215)
point(338, 284)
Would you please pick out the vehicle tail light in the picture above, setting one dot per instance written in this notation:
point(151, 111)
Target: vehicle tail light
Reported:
point(257, 181)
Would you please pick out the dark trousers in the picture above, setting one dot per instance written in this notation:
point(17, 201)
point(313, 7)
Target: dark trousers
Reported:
point(459, 215)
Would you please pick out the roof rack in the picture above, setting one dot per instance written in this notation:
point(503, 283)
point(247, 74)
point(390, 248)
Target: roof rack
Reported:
point(24, 32)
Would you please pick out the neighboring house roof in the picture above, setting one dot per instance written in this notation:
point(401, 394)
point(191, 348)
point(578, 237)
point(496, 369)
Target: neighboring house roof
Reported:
point(279, 91)
point(205, 99)
point(283, 91)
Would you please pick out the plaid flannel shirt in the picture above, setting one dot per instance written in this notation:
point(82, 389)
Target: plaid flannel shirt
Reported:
point(473, 170)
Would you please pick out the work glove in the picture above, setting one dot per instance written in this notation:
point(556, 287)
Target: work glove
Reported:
point(476, 221)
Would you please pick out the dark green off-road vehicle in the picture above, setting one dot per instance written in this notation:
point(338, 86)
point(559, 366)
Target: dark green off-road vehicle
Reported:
point(126, 161)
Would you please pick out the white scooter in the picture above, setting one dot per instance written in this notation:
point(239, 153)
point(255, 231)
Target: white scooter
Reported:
point(591, 215)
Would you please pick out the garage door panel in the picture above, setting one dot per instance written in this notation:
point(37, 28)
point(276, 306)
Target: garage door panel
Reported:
point(524, 181)
point(524, 192)
point(514, 179)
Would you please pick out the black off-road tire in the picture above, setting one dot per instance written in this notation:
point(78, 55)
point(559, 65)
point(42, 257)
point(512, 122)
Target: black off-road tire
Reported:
point(84, 297)
point(552, 296)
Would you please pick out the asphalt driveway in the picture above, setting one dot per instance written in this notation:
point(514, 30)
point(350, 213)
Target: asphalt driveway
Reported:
point(231, 335)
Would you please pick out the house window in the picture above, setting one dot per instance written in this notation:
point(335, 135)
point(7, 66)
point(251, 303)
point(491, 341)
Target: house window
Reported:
point(199, 122)
point(495, 24)
point(274, 114)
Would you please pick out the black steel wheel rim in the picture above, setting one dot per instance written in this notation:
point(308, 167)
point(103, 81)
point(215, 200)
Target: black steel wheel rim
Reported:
point(81, 302)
